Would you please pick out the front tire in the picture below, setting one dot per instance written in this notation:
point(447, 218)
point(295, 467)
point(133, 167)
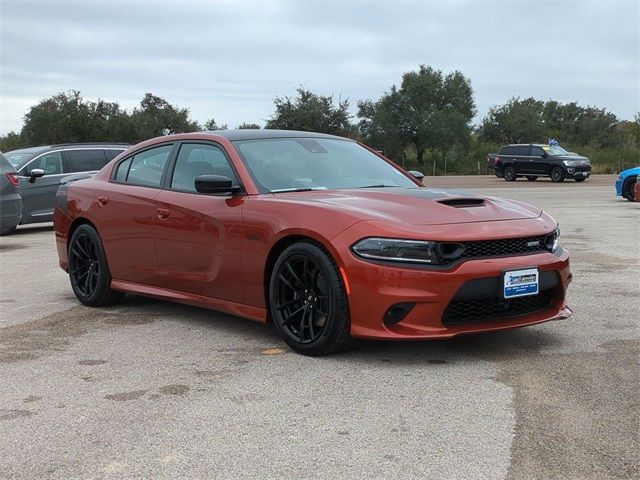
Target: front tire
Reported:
point(628, 189)
point(510, 174)
point(88, 269)
point(308, 301)
point(557, 175)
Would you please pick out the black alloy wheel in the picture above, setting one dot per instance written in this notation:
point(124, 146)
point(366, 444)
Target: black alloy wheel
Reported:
point(88, 269)
point(510, 174)
point(557, 175)
point(308, 302)
point(628, 188)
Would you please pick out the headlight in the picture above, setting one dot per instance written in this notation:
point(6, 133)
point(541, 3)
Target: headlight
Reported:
point(397, 250)
point(552, 241)
point(570, 163)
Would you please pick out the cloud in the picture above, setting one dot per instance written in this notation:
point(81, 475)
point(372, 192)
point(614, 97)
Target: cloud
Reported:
point(228, 60)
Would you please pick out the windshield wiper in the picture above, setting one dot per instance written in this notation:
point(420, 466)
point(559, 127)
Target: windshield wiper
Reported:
point(302, 189)
point(378, 186)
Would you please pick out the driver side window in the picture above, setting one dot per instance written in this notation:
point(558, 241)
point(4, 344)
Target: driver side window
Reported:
point(51, 163)
point(195, 159)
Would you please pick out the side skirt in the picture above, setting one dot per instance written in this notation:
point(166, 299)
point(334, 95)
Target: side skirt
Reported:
point(233, 308)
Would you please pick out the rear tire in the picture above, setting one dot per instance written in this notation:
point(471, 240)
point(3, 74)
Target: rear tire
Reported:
point(88, 269)
point(308, 301)
point(628, 188)
point(510, 174)
point(557, 175)
point(532, 178)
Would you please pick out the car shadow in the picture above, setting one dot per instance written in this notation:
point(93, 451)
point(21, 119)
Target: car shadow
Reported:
point(491, 346)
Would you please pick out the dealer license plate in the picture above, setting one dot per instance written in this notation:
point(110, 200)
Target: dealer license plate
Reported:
point(520, 283)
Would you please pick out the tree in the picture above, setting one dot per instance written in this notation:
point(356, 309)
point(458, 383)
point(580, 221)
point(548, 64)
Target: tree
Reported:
point(311, 112)
point(517, 121)
point(156, 117)
point(211, 125)
point(67, 117)
point(11, 141)
point(248, 126)
point(429, 110)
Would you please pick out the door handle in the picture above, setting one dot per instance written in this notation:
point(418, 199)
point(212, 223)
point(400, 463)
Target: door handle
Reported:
point(103, 200)
point(163, 213)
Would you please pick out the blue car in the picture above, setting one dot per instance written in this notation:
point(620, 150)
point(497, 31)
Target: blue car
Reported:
point(626, 183)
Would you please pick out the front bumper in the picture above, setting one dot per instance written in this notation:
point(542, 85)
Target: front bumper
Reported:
point(376, 287)
point(619, 183)
point(577, 173)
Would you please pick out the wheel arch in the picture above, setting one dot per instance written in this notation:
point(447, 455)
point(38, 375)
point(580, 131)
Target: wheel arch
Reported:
point(76, 223)
point(278, 247)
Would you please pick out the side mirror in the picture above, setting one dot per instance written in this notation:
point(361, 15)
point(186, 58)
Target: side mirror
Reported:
point(545, 155)
point(215, 184)
point(417, 175)
point(35, 173)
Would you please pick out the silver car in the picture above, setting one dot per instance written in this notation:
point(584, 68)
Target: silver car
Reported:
point(42, 169)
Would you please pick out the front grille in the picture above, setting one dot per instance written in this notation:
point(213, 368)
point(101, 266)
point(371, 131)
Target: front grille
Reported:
point(479, 310)
point(496, 248)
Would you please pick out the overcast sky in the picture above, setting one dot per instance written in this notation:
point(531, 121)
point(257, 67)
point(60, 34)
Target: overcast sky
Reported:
point(228, 60)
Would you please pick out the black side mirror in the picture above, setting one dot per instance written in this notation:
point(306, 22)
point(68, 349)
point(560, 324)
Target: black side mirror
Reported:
point(545, 155)
point(417, 175)
point(215, 184)
point(35, 173)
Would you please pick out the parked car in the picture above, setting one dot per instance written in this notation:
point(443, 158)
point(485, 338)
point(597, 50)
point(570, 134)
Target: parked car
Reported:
point(10, 200)
point(533, 160)
point(41, 169)
point(318, 234)
point(491, 164)
point(625, 184)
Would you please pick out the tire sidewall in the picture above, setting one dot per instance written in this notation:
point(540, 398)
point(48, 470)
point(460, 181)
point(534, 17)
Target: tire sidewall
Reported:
point(560, 177)
point(508, 175)
point(339, 318)
point(104, 278)
point(628, 189)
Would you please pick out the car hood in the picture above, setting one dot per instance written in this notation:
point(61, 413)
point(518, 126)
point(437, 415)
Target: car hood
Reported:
point(416, 206)
point(572, 157)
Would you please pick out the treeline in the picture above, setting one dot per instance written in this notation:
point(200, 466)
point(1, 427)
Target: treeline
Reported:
point(424, 123)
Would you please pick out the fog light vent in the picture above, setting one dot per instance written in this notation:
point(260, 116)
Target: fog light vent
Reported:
point(397, 312)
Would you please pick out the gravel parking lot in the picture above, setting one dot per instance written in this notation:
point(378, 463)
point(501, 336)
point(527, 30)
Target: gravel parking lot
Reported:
point(150, 389)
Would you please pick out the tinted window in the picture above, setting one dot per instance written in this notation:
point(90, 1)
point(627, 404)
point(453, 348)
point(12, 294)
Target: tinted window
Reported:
point(84, 160)
point(537, 151)
point(146, 167)
point(51, 163)
point(111, 154)
point(507, 151)
point(522, 150)
point(199, 159)
point(122, 171)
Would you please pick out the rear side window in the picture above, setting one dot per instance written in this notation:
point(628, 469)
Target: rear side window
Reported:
point(84, 160)
point(197, 159)
point(122, 171)
point(111, 154)
point(506, 151)
point(51, 163)
point(147, 167)
point(524, 151)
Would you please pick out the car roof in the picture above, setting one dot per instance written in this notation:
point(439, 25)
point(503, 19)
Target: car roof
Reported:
point(64, 146)
point(251, 134)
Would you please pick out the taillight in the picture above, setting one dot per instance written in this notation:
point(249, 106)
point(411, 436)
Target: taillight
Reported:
point(13, 178)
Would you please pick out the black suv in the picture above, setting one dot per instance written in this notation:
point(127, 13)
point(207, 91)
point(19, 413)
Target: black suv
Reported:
point(535, 160)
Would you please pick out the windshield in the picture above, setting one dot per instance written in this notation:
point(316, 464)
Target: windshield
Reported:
point(289, 164)
point(18, 158)
point(555, 150)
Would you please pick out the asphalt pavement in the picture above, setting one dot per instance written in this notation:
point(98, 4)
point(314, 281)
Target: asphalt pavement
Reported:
point(150, 389)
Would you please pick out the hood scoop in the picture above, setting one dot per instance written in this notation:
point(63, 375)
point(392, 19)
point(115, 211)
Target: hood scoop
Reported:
point(463, 202)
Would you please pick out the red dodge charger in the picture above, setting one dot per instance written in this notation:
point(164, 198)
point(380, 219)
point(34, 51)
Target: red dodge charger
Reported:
point(319, 235)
